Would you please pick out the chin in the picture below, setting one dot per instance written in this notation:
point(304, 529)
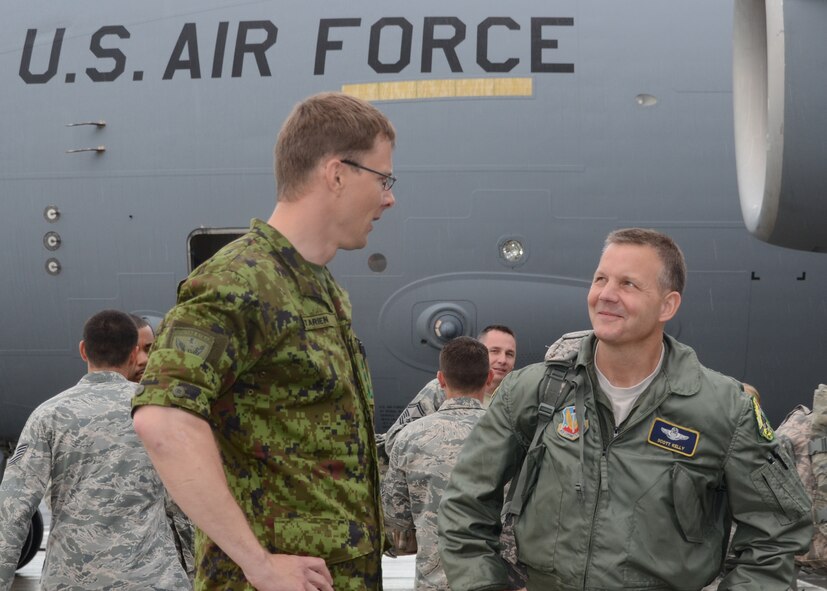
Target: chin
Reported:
point(603, 335)
point(355, 246)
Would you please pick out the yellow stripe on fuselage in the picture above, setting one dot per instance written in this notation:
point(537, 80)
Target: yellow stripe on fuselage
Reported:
point(446, 88)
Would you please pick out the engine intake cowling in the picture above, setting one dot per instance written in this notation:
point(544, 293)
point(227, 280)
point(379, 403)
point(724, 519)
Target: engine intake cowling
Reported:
point(780, 113)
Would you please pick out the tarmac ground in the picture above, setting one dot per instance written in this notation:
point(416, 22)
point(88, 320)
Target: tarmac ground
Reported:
point(397, 573)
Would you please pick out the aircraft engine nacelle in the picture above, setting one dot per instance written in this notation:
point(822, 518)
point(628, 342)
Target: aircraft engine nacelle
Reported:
point(780, 102)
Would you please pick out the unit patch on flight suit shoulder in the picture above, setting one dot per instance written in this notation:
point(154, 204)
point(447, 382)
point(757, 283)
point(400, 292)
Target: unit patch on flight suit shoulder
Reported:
point(674, 438)
point(764, 428)
point(569, 428)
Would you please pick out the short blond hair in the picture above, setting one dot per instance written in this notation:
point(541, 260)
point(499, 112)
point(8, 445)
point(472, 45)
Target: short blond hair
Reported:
point(673, 275)
point(325, 124)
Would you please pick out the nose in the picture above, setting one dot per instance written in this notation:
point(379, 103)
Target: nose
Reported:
point(388, 199)
point(608, 291)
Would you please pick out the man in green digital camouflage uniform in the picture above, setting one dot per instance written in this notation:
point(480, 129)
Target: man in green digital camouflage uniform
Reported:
point(257, 409)
point(645, 460)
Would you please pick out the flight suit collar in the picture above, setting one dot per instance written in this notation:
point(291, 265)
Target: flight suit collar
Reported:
point(680, 375)
point(681, 369)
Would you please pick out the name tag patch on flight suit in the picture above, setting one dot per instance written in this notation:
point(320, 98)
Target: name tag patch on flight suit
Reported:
point(569, 428)
point(764, 428)
point(672, 437)
point(320, 321)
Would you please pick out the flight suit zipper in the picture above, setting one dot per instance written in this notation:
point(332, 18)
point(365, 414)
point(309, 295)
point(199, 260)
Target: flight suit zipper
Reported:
point(639, 413)
point(603, 486)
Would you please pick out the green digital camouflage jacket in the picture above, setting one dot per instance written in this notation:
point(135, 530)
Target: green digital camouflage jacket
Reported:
point(260, 345)
point(644, 505)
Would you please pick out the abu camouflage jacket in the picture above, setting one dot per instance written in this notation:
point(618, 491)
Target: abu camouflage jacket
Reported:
point(109, 526)
point(420, 466)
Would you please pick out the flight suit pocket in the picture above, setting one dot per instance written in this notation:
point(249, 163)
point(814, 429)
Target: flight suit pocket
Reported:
point(679, 512)
point(526, 480)
point(334, 540)
point(688, 508)
point(775, 483)
point(543, 496)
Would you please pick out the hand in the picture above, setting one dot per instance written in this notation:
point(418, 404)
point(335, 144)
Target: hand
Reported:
point(286, 572)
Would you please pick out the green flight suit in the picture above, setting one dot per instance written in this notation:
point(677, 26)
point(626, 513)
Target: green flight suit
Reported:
point(644, 505)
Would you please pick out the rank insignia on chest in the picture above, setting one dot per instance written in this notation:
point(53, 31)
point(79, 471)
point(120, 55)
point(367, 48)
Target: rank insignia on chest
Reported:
point(568, 427)
point(674, 438)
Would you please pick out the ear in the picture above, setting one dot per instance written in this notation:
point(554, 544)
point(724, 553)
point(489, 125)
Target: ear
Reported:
point(82, 349)
point(332, 170)
point(490, 378)
point(440, 377)
point(669, 306)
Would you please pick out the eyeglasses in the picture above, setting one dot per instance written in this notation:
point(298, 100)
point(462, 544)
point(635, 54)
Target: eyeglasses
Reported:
point(387, 179)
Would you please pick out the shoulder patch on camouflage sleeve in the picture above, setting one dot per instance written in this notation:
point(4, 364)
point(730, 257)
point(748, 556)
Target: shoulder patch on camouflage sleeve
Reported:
point(19, 453)
point(191, 340)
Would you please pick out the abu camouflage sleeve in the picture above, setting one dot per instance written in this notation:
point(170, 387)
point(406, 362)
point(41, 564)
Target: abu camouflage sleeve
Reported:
point(24, 483)
point(426, 402)
point(396, 502)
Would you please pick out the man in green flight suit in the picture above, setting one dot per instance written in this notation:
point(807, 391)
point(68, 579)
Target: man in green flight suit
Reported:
point(646, 458)
point(257, 408)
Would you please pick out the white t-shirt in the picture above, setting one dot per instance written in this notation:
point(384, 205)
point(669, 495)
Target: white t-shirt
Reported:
point(623, 399)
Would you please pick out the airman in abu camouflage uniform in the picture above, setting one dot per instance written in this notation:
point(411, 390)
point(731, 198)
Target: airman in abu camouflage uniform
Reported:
point(805, 431)
point(502, 355)
point(258, 408)
point(425, 454)
point(109, 528)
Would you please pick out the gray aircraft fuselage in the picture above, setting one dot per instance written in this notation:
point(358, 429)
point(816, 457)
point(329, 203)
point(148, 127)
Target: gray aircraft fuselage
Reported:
point(132, 135)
